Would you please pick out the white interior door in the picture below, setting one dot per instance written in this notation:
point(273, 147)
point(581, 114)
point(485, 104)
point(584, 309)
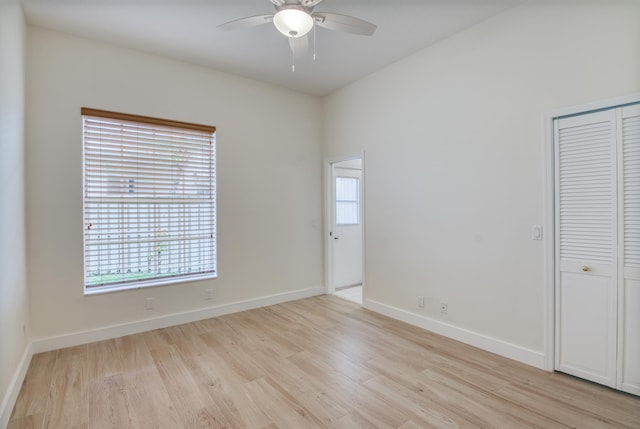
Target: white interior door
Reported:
point(629, 239)
point(586, 221)
point(346, 231)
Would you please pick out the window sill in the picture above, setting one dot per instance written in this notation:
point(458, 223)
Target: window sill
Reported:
point(99, 290)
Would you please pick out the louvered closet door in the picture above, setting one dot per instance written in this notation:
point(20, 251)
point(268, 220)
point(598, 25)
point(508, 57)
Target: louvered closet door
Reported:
point(586, 219)
point(630, 250)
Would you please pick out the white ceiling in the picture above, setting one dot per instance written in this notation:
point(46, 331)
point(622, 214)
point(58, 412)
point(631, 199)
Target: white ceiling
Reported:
point(186, 30)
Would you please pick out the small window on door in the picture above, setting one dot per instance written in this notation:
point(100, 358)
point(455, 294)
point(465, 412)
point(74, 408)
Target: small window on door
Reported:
point(347, 201)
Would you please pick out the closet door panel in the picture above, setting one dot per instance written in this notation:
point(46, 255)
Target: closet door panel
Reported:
point(631, 337)
point(630, 248)
point(586, 221)
point(587, 333)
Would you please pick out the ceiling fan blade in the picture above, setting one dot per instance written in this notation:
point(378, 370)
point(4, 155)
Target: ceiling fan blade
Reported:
point(344, 23)
point(251, 21)
point(309, 3)
point(299, 46)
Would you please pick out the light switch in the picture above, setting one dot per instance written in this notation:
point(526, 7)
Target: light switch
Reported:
point(536, 232)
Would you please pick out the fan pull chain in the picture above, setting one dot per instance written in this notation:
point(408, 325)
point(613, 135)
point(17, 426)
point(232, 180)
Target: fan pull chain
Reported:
point(314, 42)
point(293, 58)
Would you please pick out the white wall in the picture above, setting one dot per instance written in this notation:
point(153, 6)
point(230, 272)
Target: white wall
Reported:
point(14, 302)
point(454, 146)
point(269, 179)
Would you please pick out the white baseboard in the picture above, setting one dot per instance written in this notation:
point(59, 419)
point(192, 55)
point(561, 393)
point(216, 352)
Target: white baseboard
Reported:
point(9, 400)
point(500, 347)
point(109, 332)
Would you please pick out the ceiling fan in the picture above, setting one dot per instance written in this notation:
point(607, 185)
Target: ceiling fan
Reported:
point(295, 18)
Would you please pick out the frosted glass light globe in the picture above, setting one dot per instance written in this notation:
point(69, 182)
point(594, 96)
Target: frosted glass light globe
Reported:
point(293, 22)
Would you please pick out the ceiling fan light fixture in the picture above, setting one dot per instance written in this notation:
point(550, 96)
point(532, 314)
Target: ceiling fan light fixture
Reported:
point(293, 22)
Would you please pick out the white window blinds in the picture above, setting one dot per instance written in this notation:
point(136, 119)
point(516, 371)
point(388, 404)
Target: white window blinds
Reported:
point(149, 201)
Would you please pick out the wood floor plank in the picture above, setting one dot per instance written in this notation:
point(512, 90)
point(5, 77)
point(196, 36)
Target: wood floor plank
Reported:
point(320, 362)
point(32, 421)
point(282, 408)
point(148, 400)
point(187, 398)
point(103, 359)
point(549, 404)
point(310, 392)
point(34, 394)
point(356, 420)
point(208, 417)
point(425, 404)
point(410, 425)
point(480, 405)
point(67, 406)
point(348, 391)
point(225, 386)
point(238, 358)
point(109, 406)
point(610, 403)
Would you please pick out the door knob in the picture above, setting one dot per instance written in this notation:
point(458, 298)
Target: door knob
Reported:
point(585, 268)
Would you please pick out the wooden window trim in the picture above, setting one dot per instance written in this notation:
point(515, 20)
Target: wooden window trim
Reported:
point(86, 111)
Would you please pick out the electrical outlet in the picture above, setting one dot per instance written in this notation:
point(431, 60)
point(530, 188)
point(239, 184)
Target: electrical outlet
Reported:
point(444, 307)
point(148, 303)
point(421, 301)
point(208, 294)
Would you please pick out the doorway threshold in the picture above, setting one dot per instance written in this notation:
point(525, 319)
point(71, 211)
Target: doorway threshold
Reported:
point(351, 293)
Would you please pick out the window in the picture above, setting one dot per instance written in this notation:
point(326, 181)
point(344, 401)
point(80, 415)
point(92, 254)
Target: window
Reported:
point(149, 201)
point(347, 201)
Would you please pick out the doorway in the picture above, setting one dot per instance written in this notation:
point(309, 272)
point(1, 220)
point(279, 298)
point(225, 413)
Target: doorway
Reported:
point(345, 228)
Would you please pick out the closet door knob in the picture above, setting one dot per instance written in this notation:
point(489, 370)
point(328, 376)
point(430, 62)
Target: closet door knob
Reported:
point(585, 268)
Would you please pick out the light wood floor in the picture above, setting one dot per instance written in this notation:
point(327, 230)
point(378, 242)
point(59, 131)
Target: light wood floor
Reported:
point(318, 362)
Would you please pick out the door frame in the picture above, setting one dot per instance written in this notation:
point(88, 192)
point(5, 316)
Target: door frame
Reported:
point(549, 254)
point(329, 197)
